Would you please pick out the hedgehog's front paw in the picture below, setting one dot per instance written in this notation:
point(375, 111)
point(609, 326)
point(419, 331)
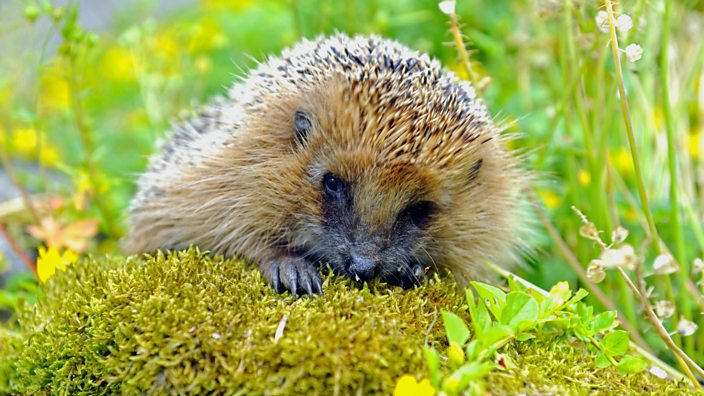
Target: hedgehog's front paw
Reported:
point(406, 276)
point(293, 273)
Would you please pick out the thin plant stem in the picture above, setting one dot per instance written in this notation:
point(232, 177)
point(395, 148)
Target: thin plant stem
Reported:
point(26, 199)
point(680, 250)
point(462, 51)
point(17, 249)
point(682, 357)
point(629, 128)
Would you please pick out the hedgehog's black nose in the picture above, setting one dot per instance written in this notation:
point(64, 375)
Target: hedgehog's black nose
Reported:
point(362, 268)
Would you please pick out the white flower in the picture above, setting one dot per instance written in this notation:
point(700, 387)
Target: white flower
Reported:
point(664, 264)
point(686, 328)
point(624, 257)
point(664, 309)
point(698, 265)
point(447, 7)
point(595, 271)
point(624, 23)
point(602, 21)
point(634, 52)
point(619, 235)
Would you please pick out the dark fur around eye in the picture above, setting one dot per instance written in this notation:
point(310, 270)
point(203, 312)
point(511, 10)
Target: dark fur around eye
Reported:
point(333, 186)
point(419, 213)
point(302, 126)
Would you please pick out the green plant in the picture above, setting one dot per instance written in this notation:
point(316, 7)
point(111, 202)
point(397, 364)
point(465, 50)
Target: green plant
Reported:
point(499, 318)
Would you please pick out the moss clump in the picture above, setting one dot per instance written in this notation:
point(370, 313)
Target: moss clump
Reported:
point(190, 324)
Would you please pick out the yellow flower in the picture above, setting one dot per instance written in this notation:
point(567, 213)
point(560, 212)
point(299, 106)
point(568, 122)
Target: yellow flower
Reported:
point(236, 5)
point(460, 70)
point(55, 93)
point(118, 65)
point(658, 117)
point(408, 386)
point(166, 46)
point(695, 144)
point(203, 64)
point(206, 35)
point(49, 155)
point(24, 141)
point(549, 198)
point(49, 260)
point(584, 178)
point(622, 161)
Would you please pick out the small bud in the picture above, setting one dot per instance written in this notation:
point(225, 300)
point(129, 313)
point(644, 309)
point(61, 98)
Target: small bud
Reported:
point(595, 271)
point(664, 265)
point(664, 309)
point(624, 23)
point(634, 52)
point(602, 21)
point(503, 362)
point(447, 7)
point(31, 12)
point(455, 354)
point(697, 265)
point(686, 327)
point(589, 231)
point(619, 235)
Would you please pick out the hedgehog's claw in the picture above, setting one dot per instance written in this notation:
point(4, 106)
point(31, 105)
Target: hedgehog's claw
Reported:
point(293, 273)
point(406, 276)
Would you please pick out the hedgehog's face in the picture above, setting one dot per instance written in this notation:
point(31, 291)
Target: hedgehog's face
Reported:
point(372, 217)
point(365, 231)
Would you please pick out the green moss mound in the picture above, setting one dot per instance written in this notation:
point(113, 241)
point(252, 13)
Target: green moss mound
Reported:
point(189, 324)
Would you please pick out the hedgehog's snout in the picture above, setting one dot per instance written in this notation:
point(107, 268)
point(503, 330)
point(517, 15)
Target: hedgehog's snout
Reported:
point(362, 268)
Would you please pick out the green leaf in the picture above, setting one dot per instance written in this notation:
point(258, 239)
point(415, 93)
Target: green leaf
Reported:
point(519, 309)
point(631, 364)
point(584, 311)
point(616, 343)
point(483, 317)
point(604, 321)
point(515, 285)
point(561, 290)
point(579, 296)
point(525, 336)
point(457, 331)
point(432, 358)
point(493, 297)
point(602, 361)
point(473, 350)
point(480, 320)
point(495, 334)
point(460, 378)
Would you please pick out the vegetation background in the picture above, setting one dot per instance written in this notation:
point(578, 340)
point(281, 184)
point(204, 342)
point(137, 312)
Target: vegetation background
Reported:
point(83, 106)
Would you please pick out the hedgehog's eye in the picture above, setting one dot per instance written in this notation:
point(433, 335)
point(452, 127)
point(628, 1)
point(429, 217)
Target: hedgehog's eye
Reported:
point(302, 126)
point(333, 185)
point(420, 212)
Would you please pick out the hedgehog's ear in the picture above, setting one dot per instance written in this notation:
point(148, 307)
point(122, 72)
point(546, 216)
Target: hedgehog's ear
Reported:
point(302, 126)
point(474, 170)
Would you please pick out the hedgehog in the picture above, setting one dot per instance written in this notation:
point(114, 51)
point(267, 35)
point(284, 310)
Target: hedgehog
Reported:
point(356, 153)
